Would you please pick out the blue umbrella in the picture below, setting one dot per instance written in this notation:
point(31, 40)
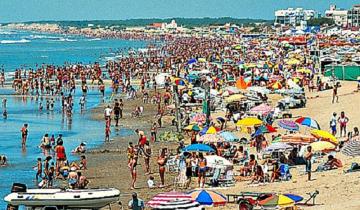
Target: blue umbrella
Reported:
point(198, 148)
point(295, 198)
point(191, 61)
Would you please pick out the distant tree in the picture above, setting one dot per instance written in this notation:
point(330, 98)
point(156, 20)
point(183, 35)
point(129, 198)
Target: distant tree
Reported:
point(320, 21)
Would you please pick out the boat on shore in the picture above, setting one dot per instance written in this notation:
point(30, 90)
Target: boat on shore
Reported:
point(56, 199)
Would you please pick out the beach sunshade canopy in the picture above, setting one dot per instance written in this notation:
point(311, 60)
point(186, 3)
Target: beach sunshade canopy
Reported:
point(241, 84)
point(193, 127)
point(322, 146)
point(211, 138)
point(249, 121)
point(324, 135)
point(288, 125)
point(278, 146)
point(208, 197)
point(235, 97)
point(214, 161)
point(262, 108)
point(165, 197)
point(198, 148)
point(304, 71)
point(352, 148)
point(297, 138)
point(307, 121)
point(277, 200)
point(229, 136)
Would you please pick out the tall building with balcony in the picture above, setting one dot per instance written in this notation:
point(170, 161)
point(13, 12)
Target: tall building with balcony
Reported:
point(354, 16)
point(293, 16)
point(339, 16)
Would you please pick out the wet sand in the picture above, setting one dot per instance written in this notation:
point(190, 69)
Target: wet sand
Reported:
point(107, 165)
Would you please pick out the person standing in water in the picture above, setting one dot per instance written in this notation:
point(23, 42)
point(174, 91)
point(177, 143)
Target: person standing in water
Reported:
point(24, 134)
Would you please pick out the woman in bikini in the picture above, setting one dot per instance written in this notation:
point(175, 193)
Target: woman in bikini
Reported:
point(147, 156)
point(162, 162)
point(133, 165)
point(202, 164)
point(343, 120)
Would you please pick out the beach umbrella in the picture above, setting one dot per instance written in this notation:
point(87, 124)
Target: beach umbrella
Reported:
point(209, 130)
point(295, 198)
point(208, 197)
point(202, 60)
point(288, 125)
point(241, 84)
point(214, 161)
point(198, 148)
point(324, 135)
point(220, 119)
point(166, 197)
point(293, 61)
point(211, 138)
point(229, 136)
point(277, 85)
point(304, 71)
point(307, 121)
point(179, 205)
point(262, 109)
point(192, 127)
point(232, 90)
point(322, 146)
point(179, 81)
point(277, 200)
point(264, 129)
point(258, 89)
point(278, 146)
point(352, 148)
point(191, 61)
point(249, 121)
point(235, 97)
point(297, 138)
point(199, 118)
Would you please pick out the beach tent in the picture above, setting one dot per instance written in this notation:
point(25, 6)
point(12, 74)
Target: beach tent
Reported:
point(343, 72)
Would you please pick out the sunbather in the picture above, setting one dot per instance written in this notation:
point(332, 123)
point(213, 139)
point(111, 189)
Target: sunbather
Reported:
point(258, 175)
point(331, 163)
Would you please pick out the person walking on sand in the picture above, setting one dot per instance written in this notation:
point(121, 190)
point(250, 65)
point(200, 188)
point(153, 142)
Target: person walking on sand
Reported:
point(308, 156)
point(162, 162)
point(147, 156)
point(335, 94)
point(333, 123)
point(343, 120)
point(133, 164)
point(24, 134)
point(107, 133)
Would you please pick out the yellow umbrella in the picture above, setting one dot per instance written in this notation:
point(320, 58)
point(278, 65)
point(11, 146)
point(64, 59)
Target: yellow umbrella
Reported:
point(293, 61)
point(202, 60)
point(324, 135)
point(249, 121)
point(322, 146)
point(235, 97)
point(250, 65)
point(304, 71)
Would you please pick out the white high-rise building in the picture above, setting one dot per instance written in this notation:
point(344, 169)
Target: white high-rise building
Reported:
point(339, 16)
point(354, 16)
point(293, 16)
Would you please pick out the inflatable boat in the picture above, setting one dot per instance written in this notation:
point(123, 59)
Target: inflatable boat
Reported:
point(61, 198)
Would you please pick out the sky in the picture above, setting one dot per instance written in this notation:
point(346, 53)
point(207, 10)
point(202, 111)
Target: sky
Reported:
point(35, 10)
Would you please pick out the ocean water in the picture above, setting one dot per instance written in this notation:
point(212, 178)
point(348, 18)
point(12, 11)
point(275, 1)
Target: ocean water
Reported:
point(27, 48)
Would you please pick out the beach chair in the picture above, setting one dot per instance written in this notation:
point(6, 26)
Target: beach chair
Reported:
point(228, 180)
point(285, 174)
point(214, 181)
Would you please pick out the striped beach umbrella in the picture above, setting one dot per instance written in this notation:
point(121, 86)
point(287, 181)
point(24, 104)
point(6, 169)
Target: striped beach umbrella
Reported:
point(179, 205)
point(208, 197)
point(277, 200)
point(352, 148)
point(163, 198)
point(288, 125)
point(307, 121)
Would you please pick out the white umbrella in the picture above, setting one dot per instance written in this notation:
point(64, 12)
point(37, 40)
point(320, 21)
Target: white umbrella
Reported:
point(214, 161)
point(278, 146)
